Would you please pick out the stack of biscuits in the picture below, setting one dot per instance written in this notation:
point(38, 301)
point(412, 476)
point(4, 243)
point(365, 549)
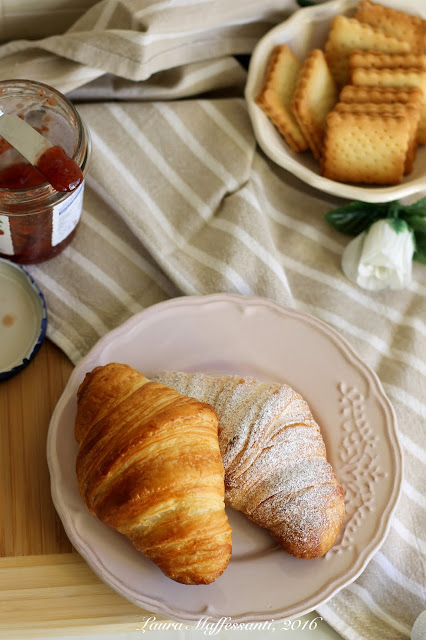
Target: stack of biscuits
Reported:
point(359, 105)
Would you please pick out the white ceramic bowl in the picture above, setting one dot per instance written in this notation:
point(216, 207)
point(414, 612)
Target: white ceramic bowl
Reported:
point(307, 29)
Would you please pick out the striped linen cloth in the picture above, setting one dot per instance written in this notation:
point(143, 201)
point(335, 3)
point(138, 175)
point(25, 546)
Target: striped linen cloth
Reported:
point(179, 201)
point(29, 19)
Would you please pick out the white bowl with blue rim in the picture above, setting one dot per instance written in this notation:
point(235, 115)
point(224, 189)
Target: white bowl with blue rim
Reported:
point(23, 318)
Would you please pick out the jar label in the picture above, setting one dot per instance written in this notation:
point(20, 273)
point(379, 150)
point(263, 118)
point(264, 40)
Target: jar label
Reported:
point(6, 244)
point(66, 215)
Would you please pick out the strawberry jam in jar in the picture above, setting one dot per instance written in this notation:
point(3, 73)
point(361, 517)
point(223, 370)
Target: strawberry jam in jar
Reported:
point(36, 221)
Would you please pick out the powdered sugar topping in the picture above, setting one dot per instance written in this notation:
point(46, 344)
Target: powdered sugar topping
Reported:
point(272, 450)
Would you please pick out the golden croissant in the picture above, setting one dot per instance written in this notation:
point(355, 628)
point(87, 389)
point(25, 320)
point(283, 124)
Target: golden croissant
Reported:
point(276, 471)
point(149, 466)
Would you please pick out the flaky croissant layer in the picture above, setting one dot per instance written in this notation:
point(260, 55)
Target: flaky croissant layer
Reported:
point(276, 471)
point(149, 466)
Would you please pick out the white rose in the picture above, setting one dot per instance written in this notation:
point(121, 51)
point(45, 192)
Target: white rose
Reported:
point(381, 257)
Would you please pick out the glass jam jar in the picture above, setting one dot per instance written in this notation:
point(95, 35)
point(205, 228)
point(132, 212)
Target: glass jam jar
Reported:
point(36, 221)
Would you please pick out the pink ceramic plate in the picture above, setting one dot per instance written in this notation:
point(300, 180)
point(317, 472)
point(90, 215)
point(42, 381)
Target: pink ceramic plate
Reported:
point(248, 336)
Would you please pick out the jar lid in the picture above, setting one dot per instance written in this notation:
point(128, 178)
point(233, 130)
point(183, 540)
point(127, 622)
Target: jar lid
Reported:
point(23, 318)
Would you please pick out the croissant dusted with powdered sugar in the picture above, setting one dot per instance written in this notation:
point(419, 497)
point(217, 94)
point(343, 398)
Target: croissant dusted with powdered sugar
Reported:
point(276, 471)
point(149, 466)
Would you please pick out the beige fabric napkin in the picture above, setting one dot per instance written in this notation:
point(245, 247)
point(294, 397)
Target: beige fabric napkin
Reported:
point(179, 200)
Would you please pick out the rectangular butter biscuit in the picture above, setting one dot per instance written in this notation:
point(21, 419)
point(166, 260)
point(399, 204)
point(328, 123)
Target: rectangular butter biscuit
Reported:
point(396, 23)
point(365, 148)
point(314, 97)
point(396, 78)
point(410, 110)
point(358, 93)
point(347, 34)
point(276, 95)
point(379, 60)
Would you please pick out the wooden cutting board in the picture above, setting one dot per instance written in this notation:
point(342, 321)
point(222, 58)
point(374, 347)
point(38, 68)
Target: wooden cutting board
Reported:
point(46, 588)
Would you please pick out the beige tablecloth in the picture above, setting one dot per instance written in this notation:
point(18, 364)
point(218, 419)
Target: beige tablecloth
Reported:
point(179, 200)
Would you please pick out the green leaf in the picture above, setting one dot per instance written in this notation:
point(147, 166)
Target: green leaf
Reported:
point(397, 224)
point(416, 208)
point(393, 209)
point(417, 223)
point(420, 252)
point(356, 217)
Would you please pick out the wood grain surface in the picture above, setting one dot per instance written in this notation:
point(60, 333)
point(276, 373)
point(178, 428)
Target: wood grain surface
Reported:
point(29, 524)
point(46, 588)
